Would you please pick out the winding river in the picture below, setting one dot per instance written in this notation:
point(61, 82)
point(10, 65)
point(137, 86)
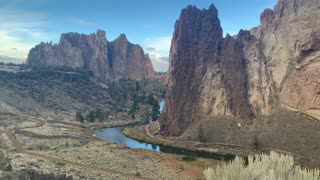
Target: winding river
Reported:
point(115, 135)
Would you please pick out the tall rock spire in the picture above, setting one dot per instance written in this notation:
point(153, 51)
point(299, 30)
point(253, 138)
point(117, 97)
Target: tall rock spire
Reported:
point(247, 75)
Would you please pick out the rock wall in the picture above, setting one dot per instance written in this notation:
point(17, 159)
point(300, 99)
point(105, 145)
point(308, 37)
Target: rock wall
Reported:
point(107, 60)
point(253, 73)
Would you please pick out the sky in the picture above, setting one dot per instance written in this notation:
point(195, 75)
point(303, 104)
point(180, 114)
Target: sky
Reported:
point(150, 23)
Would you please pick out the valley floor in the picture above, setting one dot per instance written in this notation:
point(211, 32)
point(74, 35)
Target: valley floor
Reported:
point(66, 146)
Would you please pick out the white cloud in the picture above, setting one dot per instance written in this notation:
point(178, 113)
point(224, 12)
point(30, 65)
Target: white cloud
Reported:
point(20, 31)
point(159, 43)
point(10, 42)
point(158, 48)
point(159, 62)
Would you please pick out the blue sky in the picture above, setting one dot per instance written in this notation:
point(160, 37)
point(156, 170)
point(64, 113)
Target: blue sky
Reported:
point(150, 23)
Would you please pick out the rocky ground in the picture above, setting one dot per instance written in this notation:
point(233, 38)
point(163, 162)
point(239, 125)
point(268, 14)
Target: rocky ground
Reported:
point(68, 147)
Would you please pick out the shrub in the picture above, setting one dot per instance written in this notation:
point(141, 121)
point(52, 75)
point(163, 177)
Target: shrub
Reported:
point(138, 174)
point(8, 167)
point(100, 115)
point(79, 117)
point(91, 117)
point(4, 162)
point(188, 158)
point(265, 167)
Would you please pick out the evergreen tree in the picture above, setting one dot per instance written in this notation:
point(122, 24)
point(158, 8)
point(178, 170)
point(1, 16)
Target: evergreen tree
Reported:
point(99, 115)
point(90, 116)
point(79, 117)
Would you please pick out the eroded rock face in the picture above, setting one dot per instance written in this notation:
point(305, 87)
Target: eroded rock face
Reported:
point(129, 60)
point(107, 60)
point(195, 42)
point(250, 74)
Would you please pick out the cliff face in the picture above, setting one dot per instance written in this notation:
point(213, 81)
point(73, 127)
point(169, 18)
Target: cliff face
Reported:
point(250, 74)
point(107, 60)
point(129, 60)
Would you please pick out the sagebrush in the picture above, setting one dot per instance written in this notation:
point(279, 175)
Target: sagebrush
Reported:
point(4, 162)
point(262, 167)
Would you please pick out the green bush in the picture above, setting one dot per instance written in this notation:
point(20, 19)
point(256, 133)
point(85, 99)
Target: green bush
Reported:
point(188, 158)
point(79, 117)
point(91, 116)
point(4, 162)
point(262, 167)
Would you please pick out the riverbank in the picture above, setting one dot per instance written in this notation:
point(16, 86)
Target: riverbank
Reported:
point(143, 133)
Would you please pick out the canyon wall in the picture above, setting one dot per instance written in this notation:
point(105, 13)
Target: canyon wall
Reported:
point(108, 61)
point(256, 72)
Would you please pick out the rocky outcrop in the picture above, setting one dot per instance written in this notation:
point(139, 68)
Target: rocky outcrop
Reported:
point(253, 73)
point(128, 60)
point(108, 61)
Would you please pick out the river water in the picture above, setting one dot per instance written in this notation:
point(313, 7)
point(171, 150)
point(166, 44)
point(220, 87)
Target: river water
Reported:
point(115, 135)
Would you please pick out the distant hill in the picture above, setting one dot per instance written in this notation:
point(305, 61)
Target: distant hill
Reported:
point(47, 92)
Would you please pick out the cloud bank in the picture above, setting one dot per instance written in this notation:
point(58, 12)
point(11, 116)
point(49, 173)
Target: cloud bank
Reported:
point(19, 32)
point(158, 49)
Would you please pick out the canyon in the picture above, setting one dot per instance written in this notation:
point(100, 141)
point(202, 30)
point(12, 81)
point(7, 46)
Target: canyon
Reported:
point(258, 72)
point(90, 108)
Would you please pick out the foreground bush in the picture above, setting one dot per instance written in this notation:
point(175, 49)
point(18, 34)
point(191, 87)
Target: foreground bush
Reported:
point(4, 162)
point(262, 167)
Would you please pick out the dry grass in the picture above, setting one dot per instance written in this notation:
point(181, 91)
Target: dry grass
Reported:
point(262, 167)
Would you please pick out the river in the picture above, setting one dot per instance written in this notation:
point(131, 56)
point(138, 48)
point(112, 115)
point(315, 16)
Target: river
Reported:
point(115, 135)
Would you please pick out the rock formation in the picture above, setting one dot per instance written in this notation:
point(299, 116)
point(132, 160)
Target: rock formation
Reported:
point(253, 73)
point(107, 60)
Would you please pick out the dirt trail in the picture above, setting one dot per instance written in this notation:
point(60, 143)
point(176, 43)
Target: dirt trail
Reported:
point(146, 128)
point(19, 149)
point(15, 143)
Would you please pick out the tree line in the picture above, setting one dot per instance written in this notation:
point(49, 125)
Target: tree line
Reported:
point(9, 64)
point(145, 99)
point(91, 116)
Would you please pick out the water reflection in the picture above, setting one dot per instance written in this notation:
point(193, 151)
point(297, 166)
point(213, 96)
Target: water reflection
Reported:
point(115, 135)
